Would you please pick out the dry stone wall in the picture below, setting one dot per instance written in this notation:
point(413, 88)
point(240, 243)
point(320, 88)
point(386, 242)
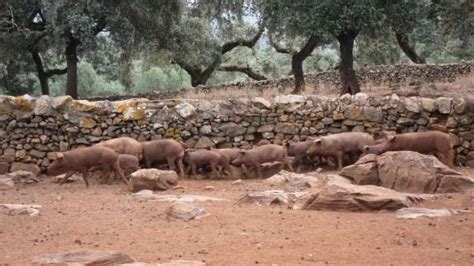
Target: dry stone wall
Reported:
point(31, 129)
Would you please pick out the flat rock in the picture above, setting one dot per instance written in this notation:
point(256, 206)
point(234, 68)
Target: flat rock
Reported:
point(413, 213)
point(184, 211)
point(169, 263)
point(185, 110)
point(83, 257)
point(152, 179)
point(186, 198)
point(294, 180)
point(265, 198)
point(20, 209)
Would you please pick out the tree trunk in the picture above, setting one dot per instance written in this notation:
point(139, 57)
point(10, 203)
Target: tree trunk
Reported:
point(71, 59)
point(346, 67)
point(43, 78)
point(126, 73)
point(409, 51)
point(297, 69)
point(198, 79)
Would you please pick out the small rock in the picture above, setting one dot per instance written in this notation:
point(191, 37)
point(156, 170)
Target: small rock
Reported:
point(237, 182)
point(210, 188)
point(185, 110)
point(152, 179)
point(29, 167)
point(184, 212)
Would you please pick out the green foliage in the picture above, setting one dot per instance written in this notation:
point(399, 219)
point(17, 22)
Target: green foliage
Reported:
point(167, 78)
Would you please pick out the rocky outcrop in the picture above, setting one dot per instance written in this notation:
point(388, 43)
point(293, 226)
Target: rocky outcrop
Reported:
point(408, 171)
point(342, 196)
point(152, 179)
point(20, 209)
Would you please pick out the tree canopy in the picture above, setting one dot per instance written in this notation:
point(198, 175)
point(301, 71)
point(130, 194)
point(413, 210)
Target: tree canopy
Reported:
point(84, 48)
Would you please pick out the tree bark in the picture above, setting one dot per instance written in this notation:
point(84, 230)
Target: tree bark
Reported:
point(297, 69)
point(43, 79)
point(71, 59)
point(404, 43)
point(346, 66)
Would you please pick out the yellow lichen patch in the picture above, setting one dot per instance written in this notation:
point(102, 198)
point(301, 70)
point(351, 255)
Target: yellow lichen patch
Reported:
point(2, 109)
point(84, 106)
point(121, 107)
point(134, 114)
point(24, 103)
point(87, 122)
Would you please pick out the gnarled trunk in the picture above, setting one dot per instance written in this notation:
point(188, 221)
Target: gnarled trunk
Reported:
point(346, 66)
point(404, 43)
point(43, 78)
point(297, 69)
point(71, 59)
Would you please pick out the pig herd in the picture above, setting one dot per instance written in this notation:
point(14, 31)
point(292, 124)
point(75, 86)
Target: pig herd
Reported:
point(125, 155)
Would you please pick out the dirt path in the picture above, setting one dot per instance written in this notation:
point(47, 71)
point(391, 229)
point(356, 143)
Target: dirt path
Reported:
point(104, 217)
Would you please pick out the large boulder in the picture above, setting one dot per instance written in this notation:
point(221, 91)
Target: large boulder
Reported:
point(407, 171)
point(22, 177)
point(364, 171)
point(6, 183)
point(4, 167)
point(28, 167)
point(342, 196)
point(152, 179)
point(83, 257)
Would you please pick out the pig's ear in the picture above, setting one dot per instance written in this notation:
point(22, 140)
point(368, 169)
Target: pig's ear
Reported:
point(59, 155)
point(242, 152)
point(317, 141)
point(391, 138)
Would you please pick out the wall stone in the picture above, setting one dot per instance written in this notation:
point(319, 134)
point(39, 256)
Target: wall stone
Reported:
point(32, 128)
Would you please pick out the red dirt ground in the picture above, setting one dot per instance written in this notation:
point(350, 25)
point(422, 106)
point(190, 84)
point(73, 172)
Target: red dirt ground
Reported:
point(104, 217)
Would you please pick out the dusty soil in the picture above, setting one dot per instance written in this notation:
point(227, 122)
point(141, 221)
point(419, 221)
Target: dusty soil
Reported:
point(104, 217)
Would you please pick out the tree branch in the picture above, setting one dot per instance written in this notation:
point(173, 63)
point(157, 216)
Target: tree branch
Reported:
point(278, 47)
point(56, 71)
point(229, 46)
point(409, 51)
point(308, 48)
point(246, 70)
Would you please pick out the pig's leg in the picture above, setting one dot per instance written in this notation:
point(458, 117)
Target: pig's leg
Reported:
point(179, 162)
point(259, 171)
point(68, 175)
point(85, 176)
point(171, 163)
point(339, 156)
point(288, 163)
point(118, 171)
point(193, 169)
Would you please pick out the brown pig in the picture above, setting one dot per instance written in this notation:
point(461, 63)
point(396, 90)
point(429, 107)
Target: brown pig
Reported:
point(435, 142)
point(84, 159)
point(128, 163)
point(263, 154)
point(202, 157)
point(124, 145)
point(374, 149)
point(231, 153)
point(337, 145)
point(168, 150)
point(298, 150)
